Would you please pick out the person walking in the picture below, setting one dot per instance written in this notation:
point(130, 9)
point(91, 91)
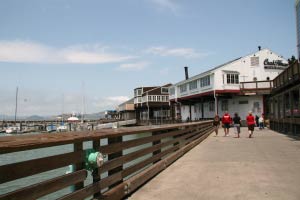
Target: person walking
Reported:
point(251, 123)
point(237, 124)
point(256, 120)
point(226, 121)
point(216, 123)
point(261, 122)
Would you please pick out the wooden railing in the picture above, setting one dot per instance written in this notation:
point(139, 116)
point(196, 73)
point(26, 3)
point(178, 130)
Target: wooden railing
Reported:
point(134, 155)
point(288, 77)
point(256, 87)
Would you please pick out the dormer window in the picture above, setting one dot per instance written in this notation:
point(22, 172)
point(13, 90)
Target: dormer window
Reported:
point(232, 78)
point(165, 90)
point(138, 92)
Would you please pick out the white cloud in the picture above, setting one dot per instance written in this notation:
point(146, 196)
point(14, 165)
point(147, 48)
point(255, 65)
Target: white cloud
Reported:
point(133, 66)
point(118, 99)
point(31, 52)
point(177, 52)
point(109, 102)
point(167, 4)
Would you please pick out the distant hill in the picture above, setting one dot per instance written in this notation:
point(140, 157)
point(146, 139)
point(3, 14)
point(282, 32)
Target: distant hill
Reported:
point(35, 118)
point(92, 116)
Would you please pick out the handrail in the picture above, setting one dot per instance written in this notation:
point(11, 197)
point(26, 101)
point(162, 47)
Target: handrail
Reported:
point(120, 173)
point(256, 81)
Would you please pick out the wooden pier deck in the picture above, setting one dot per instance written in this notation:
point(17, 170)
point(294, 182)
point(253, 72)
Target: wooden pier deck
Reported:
point(264, 167)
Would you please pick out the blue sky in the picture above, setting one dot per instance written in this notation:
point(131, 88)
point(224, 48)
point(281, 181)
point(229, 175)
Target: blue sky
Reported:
point(58, 51)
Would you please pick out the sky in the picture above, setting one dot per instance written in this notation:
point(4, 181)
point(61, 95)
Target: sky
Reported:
point(89, 55)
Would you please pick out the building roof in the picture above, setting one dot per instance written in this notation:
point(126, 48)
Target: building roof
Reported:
point(218, 67)
point(207, 72)
point(130, 101)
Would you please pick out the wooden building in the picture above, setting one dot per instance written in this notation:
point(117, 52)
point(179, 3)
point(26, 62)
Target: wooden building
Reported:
point(152, 104)
point(284, 110)
point(126, 110)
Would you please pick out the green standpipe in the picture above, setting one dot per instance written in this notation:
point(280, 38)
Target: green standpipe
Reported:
point(93, 159)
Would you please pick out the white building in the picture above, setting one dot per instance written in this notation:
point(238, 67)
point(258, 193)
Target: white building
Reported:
point(238, 86)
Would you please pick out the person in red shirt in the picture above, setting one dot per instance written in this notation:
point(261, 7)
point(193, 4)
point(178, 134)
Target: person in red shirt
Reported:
point(251, 123)
point(226, 121)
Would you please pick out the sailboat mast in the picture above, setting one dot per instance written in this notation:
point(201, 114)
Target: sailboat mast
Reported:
point(16, 109)
point(83, 102)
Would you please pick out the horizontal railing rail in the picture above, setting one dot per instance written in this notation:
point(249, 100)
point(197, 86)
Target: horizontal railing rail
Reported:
point(256, 86)
point(288, 77)
point(131, 157)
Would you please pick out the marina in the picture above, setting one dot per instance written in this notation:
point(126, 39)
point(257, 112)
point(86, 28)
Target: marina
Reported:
point(154, 99)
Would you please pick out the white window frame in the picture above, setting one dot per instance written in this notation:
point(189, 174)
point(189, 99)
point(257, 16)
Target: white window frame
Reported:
point(183, 88)
point(205, 81)
point(164, 88)
point(232, 78)
point(193, 85)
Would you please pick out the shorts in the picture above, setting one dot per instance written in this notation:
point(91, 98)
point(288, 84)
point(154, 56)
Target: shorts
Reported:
point(251, 127)
point(226, 125)
point(237, 128)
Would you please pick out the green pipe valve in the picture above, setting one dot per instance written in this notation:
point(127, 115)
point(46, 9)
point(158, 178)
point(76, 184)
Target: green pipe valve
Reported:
point(93, 159)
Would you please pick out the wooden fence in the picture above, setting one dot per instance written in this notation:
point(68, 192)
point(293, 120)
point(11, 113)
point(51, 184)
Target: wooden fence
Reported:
point(123, 171)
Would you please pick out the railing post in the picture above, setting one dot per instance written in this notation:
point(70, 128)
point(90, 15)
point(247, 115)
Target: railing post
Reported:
point(112, 156)
point(96, 175)
point(155, 143)
point(78, 147)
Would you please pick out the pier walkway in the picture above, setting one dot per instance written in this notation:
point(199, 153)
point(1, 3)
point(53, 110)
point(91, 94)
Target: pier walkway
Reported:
point(264, 167)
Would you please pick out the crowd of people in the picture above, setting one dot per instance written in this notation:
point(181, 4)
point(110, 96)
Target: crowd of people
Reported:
point(235, 122)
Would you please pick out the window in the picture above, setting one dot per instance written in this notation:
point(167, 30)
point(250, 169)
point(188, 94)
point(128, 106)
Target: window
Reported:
point(138, 92)
point(236, 76)
point(243, 102)
point(183, 88)
point(211, 106)
point(163, 98)
point(224, 105)
point(172, 91)
point(232, 78)
point(205, 81)
point(254, 61)
point(149, 98)
point(256, 107)
point(167, 98)
point(193, 85)
point(158, 98)
point(154, 98)
point(139, 99)
point(295, 97)
point(165, 90)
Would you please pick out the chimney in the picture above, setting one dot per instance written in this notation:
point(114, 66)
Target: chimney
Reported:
point(186, 73)
point(259, 48)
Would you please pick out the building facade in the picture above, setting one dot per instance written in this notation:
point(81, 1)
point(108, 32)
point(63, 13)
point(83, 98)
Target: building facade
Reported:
point(238, 86)
point(152, 104)
point(284, 101)
point(126, 110)
point(297, 8)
